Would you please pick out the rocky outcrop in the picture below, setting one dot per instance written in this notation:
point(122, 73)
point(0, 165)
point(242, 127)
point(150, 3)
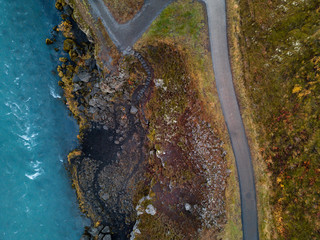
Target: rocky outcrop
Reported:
point(134, 169)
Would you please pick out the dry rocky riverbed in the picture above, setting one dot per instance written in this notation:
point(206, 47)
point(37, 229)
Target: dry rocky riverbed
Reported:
point(136, 172)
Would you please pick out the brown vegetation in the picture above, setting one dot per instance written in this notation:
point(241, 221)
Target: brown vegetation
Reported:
point(279, 44)
point(124, 10)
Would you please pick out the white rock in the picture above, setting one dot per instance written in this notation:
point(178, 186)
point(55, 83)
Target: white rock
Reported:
point(151, 210)
point(187, 206)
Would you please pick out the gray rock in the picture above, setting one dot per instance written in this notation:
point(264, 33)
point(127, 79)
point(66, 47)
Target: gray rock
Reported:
point(92, 110)
point(76, 87)
point(93, 231)
point(107, 237)
point(133, 110)
point(105, 88)
point(105, 197)
point(84, 76)
point(93, 102)
point(106, 229)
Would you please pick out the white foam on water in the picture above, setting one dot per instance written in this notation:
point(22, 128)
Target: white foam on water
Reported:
point(53, 93)
point(37, 168)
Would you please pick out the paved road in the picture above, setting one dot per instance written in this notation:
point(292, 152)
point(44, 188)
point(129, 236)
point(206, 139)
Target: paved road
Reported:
point(125, 35)
point(220, 56)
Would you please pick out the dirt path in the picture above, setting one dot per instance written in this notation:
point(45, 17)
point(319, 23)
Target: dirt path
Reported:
point(220, 56)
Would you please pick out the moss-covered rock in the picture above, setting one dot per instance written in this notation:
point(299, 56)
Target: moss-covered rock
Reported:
point(60, 4)
point(68, 44)
point(63, 59)
point(49, 41)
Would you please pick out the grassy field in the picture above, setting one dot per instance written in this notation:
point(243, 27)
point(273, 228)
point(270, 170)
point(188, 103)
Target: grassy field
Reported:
point(124, 10)
point(183, 23)
point(275, 59)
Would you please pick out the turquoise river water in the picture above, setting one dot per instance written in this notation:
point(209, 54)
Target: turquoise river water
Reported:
point(36, 132)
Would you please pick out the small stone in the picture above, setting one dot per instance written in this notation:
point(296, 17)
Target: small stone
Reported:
point(107, 237)
point(105, 196)
point(133, 110)
point(106, 229)
point(116, 142)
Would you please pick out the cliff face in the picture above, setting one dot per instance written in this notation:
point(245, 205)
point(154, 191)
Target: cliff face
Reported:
point(150, 160)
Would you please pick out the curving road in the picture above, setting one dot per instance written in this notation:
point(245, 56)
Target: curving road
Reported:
point(221, 65)
point(125, 35)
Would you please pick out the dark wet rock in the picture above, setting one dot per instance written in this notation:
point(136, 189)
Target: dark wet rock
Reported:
point(91, 64)
point(67, 10)
point(75, 79)
point(106, 229)
point(85, 237)
point(107, 237)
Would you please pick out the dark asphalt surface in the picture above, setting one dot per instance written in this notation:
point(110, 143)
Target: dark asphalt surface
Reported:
point(125, 35)
point(221, 64)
